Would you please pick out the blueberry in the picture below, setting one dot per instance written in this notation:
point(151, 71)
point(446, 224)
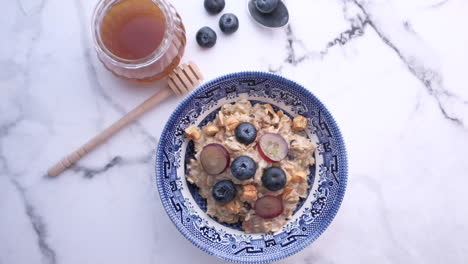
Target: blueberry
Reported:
point(228, 23)
point(243, 168)
point(279, 17)
point(214, 6)
point(224, 191)
point(246, 133)
point(206, 37)
point(266, 6)
point(274, 178)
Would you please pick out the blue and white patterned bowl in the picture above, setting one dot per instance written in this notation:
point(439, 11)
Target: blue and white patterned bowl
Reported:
point(187, 209)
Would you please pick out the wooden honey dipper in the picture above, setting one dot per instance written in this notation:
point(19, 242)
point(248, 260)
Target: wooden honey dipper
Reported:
point(183, 80)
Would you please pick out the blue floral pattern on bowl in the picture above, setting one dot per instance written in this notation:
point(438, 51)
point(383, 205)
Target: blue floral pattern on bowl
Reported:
point(186, 208)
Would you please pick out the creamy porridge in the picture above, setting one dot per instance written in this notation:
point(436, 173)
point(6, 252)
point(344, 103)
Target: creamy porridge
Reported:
point(251, 165)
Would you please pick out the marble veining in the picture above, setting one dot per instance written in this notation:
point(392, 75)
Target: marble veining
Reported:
point(35, 219)
point(429, 77)
point(392, 72)
point(116, 161)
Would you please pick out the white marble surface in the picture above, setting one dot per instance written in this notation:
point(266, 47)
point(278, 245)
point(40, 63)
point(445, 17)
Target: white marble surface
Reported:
point(393, 73)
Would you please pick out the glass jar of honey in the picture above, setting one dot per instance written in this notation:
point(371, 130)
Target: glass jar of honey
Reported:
point(140, 40)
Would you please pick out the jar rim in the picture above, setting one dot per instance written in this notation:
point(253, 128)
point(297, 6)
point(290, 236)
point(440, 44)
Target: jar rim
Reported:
point(101, 10)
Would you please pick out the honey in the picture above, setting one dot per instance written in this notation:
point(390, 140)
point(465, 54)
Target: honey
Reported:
point(141, 40)
point(133, 29)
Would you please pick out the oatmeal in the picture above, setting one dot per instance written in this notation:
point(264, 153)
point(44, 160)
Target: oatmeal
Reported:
point(251, 165)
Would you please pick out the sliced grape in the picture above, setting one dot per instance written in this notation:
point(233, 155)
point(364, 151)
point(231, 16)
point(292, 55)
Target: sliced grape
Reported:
point(214, 159)
point(268, 206)
point(272, 147)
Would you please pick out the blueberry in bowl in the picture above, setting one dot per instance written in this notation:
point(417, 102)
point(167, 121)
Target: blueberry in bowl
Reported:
point(243, 168)
point(274, 178)
point(224, 191)
point(246, 133)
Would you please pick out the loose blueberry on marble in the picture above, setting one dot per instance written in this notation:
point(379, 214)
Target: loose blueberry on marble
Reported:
point(277, 18)
point(214, 6)
point(274, 178)
point(243, 167)
point(224, 191)
point(206, 37)
point(246, 133)
point(228, 23)
point(266, 6)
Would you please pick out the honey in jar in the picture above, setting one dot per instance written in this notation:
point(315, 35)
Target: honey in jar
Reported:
point(138, 39)
point(133, 29)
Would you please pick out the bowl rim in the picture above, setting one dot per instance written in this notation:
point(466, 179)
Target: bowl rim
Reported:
point(343, 167)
